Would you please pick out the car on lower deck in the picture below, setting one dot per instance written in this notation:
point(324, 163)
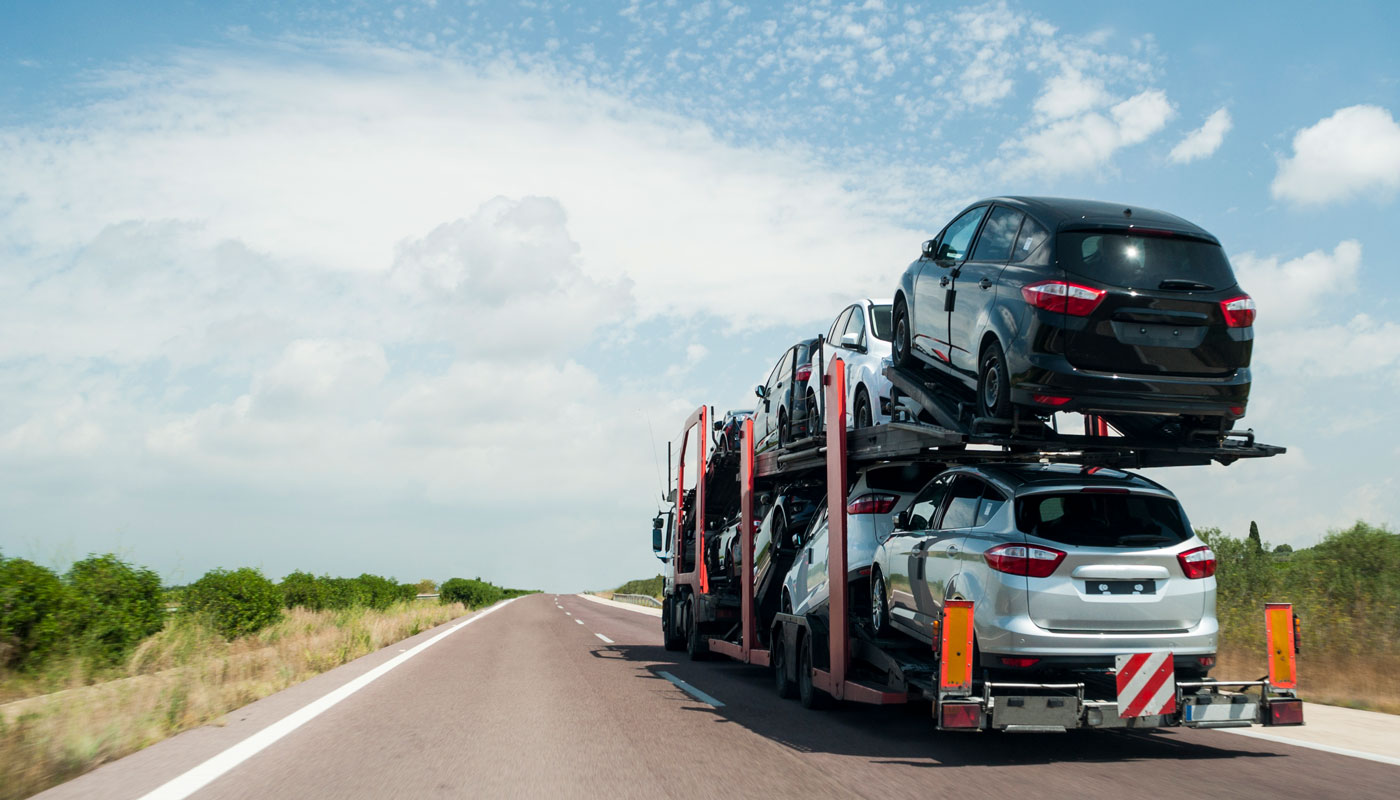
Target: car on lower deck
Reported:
point(877, 493)
point(860, 337)
point(1066, 566)
point(1048, 304)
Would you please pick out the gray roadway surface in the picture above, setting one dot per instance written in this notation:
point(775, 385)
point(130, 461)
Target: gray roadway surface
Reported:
point(529, 703)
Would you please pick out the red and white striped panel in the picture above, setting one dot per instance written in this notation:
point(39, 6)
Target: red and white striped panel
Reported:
point(1146, 685)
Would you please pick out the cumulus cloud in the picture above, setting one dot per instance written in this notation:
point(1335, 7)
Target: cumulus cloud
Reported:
point(1296, 290)
point(1354, 151)
point(1090, 140)
point(1205, 140)
point(1070, 93)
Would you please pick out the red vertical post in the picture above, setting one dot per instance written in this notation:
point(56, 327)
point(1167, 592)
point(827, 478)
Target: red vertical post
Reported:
point(1101, 427)
point(746, 521)
point(836, 583)
point(704, 441)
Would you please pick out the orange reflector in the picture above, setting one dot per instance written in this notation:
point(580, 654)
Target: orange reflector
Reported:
point(1278, 625)
point(955, 647)
point(1286, 712)
point(961, 715)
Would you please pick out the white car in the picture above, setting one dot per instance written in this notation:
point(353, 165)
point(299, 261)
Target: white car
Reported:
point(860, 337)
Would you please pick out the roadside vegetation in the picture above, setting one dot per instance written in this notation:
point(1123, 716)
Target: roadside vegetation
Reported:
point(102, 660)
point(647, 586)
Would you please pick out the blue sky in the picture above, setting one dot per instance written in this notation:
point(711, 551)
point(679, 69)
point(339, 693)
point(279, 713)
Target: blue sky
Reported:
point(423, 289)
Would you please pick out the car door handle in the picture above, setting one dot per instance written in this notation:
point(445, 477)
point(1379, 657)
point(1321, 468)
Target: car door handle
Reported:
point(985, 283)
point(943, 281)
point(952, 549)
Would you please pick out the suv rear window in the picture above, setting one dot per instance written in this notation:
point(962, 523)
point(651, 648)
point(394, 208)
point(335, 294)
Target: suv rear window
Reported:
point(902, 478)
point(1144, 262)
point(1092, 519)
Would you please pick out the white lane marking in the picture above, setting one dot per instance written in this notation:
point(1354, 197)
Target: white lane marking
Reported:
point(605, 639)
point(579, 621)
point(690, 690)
point(1326, 748)
point(202, 775)
point(568, 613)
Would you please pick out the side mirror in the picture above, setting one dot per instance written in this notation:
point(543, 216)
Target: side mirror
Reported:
point(718, 425)
point(656, 537)
point(851, 341)
point(901, 520)
point(928, 251)
point(761, 391)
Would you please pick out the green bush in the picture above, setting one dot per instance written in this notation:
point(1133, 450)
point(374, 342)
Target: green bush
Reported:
point(237, 602)
point(471, 592)
point(408, 591)
point(31, 601)
point(304, 590)
point(111, 606)
point(379, 592)
point(646, 586)
point(343, 593)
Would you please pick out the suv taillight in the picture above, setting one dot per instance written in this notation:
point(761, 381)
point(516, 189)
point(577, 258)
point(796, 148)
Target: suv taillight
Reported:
point(872, 504)
point(1197, 563)
point(1239, 311)
point(1069, 298)
point(1021, 559)
point(804, 372)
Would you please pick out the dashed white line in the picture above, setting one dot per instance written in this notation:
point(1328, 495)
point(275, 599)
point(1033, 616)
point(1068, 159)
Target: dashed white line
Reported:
point(579, 621)
point(568, 613)
point(604, 638)
point(691, 690)
point(192, 781)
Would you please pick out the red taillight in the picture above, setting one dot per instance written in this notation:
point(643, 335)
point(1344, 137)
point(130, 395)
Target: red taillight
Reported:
point(1239, 311)
point(1049, 399)
point(1020, 559)
point(1206, 661)
point(961, 715)
point(1020, 663)
point(1069, 298)
point(1197, 563)
point(872, 504)
point(804, 372)
point(1285, 712)
point(1237, 411)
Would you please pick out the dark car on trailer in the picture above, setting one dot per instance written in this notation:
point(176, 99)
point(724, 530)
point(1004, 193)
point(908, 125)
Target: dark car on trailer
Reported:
point(781, 413)
point(1046, 304)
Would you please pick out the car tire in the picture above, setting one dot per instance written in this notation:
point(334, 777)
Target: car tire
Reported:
point(781, 682)
point(902, 345)
point(994, 383)
point(879, 606)
point(695, 645)
point(784, 429)
point(807, 693)
point(814, 417)
point(864, 416)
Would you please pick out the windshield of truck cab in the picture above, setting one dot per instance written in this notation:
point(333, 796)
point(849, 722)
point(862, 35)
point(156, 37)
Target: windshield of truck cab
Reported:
point(1093, 519)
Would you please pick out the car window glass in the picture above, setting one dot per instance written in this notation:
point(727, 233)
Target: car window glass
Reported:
point(785, 369)
point(924, 511)
point(962, 504)
point(834, 335)
point(957, 238)
point(1144, 262)
point(900, 477)
point(991, 502)
point(777, 369)
point(1032, 236)
point(880, 322)
point(856, 325)
point(998, 235)
point(1093, 519)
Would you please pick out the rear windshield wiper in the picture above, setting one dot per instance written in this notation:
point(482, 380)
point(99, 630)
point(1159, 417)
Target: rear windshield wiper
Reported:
point(1144, 538)
point(1183, 283)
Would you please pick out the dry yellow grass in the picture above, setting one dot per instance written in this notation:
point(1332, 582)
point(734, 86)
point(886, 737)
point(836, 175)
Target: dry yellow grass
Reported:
point(1370, 682)
point(183, 677)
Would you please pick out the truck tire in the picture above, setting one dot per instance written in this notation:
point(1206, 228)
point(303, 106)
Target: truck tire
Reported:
point(695, 645)
point(808, 694)
point(670, 637)
point(781, 682)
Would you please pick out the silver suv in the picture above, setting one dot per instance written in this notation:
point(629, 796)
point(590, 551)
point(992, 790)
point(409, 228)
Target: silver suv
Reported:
point(1067, 566)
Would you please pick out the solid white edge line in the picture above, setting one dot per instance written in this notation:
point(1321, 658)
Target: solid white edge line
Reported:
point(690, 690)
point(202, 775)
point(605, 639)
point(1326, 748)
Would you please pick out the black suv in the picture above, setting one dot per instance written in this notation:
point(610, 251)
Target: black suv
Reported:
point(1049, 304)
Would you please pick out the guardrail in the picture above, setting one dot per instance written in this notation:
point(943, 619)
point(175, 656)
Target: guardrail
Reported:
point(638, 600)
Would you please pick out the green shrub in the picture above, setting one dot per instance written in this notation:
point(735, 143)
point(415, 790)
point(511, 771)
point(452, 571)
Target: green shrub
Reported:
point(646, 586)
point(31, 601)
point(343, 593)
point(237, 602)
point(379, 592)
point(426, 586)
point(471, 592)
point(111, 607)
point(302, 589)
point(408, 591)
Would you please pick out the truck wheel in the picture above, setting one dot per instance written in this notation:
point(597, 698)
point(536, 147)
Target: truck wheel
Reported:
point(669, 638)
point(810, 696)
point(695, 645)
point(781, 682)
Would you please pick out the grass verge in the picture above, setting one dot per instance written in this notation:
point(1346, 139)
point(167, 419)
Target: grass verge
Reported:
point(70, 719)
point(1368, 682)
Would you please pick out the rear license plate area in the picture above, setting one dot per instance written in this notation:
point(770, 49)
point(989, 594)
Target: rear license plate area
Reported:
point(1120, 587)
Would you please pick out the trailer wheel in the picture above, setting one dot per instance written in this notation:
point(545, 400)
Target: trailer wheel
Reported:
point(807, 693)
point(695, 645)
point(670, 639)
point(781, 682)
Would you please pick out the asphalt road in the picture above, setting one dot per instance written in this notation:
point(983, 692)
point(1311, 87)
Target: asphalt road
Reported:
point(531, 702)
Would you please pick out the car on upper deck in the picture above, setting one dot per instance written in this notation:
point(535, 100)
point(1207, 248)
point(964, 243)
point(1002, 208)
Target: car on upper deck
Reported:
point(781, 413)
point(860, 337)
point(1049, 304)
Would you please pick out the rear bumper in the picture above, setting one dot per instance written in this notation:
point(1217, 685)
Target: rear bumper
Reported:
point(1099, 392)
point(1019, 636)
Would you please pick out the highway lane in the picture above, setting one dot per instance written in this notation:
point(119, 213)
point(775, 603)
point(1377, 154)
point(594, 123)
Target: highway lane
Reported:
point(530, 702)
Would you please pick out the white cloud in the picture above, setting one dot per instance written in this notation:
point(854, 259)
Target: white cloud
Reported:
point(1089, 140)
point(1356, 150)
point(1070, 93)
point(1297, 289)
point(1362, 347)
point(1205, 140)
